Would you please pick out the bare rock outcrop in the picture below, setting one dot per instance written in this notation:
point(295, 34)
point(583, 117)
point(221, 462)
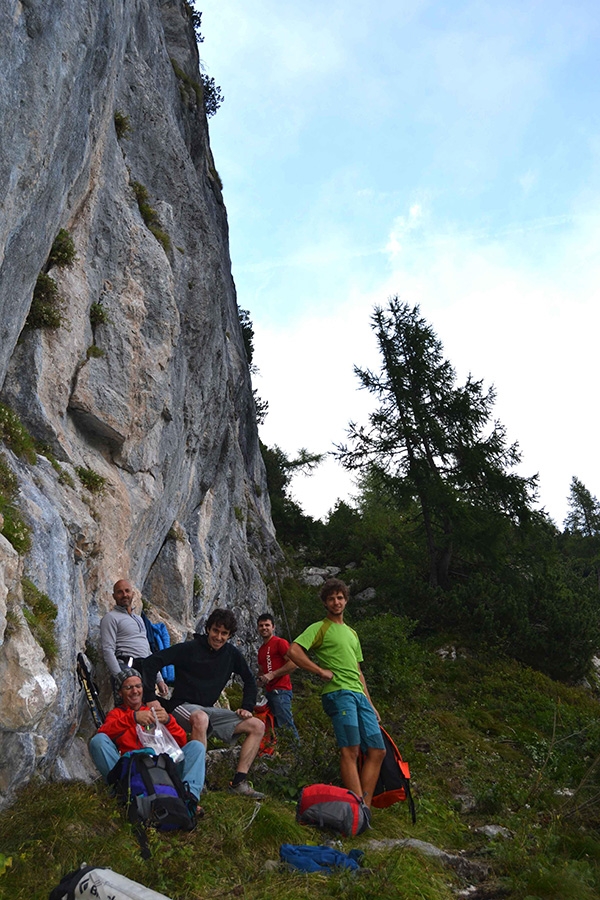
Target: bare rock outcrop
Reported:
point(145, 384)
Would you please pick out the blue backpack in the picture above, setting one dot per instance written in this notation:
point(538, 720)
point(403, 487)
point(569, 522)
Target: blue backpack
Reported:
point(153, 793)
point(158, 639)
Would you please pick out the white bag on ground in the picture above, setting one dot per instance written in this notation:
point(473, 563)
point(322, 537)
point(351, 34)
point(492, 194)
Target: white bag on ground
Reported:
point(102, 884)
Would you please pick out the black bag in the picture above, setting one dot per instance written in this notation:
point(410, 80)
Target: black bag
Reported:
point(153, 793)
point(393, 783)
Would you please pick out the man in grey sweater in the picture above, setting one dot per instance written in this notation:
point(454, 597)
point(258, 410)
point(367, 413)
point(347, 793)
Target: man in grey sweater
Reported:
point(124, 639)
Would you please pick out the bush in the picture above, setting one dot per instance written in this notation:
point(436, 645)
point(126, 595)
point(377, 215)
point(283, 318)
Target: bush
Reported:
point(391, 659)
point(149, 215)
point(93, 481)
point(14, 528)
point(212, 95)
point(122, 124)
point(98, 314)
point(62, 253)
point(40, 613)
point(46, 304)
point(14, 434)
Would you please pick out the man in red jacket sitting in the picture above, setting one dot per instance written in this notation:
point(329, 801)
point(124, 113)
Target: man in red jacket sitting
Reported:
point(118, 734)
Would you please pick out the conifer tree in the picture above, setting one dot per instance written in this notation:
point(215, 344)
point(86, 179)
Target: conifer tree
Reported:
point(432, 441)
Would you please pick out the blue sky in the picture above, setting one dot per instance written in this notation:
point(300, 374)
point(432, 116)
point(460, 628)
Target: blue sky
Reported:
point(445, 152)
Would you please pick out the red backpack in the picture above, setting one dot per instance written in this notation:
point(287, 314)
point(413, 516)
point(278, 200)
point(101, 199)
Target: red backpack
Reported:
point(337, 808)
point(393, 784)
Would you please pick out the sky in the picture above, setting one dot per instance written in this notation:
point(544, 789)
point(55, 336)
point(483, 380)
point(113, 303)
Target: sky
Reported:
point(447, 153)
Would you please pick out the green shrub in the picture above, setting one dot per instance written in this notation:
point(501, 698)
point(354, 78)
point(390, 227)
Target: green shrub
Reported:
point(14, 527)
point(392, 660)
point(14, 434)
point(187, 86)
point(212, 95)
point(149, 215)
point(195, 18)
point(62, 253)
point(65, 478)
point(16, 531)
point(46, 304)
point(40, 613)
point(122, 124)
point(93, 481)
point(98, 314)
point(161, 236)
point(94, 352)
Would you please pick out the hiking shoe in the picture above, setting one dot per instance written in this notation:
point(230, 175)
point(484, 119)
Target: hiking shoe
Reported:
point(245, 789)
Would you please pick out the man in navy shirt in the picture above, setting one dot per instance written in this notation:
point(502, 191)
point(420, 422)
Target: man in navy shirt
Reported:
point(203, 666)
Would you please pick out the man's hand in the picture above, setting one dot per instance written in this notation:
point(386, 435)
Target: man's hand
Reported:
point(162, 687)
point(265, 678)
point(243, 713)
point(326, 674)
point(154, 707)
point(145, 717)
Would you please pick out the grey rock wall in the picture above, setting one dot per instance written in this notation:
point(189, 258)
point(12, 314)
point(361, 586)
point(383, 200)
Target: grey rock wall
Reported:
point(166, 413)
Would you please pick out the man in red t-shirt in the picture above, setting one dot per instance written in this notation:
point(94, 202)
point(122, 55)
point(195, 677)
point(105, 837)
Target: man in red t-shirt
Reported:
point(275, 677)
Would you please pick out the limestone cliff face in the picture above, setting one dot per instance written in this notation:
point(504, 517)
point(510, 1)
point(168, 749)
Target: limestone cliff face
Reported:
point(166, 413)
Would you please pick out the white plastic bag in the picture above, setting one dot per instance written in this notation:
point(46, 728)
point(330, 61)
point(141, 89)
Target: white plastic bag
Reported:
point(159, 739)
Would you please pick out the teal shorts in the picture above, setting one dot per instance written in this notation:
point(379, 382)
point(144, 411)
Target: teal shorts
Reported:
point(354, 721)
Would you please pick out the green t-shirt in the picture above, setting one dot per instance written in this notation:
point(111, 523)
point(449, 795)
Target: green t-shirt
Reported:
point(337, 648)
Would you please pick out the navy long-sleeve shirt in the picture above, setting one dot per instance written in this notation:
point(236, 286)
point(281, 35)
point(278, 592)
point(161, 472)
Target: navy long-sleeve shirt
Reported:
point(201, 673)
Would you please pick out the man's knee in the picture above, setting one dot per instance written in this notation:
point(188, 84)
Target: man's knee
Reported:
point(377, 754)
point(199, 719)
point(250, 726)
point(350, 753)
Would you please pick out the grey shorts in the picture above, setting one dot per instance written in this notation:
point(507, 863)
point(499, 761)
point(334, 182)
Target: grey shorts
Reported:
point(221, 722)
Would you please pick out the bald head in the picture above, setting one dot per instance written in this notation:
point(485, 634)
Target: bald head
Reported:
point(123, 593)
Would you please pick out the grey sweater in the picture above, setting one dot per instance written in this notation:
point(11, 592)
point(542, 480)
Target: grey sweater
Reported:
point(122, 634)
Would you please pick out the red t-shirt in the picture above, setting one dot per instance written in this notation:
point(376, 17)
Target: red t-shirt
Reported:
point(271, 656)
point(119, 725)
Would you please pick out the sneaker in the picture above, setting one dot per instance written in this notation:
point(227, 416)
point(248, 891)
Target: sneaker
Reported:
point(245, 789)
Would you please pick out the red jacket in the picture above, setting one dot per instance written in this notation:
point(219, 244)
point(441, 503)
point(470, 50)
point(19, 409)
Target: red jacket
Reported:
point(120, 727)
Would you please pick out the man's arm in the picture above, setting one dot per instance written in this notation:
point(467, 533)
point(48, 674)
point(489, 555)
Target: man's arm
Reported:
point(266, 677)
point(108, 636)
point(300, 657)
point(156, 661)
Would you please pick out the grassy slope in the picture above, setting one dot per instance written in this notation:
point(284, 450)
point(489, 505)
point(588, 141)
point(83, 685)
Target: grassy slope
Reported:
point(487, 743)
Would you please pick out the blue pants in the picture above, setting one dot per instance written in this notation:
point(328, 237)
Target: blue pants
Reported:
point(191, 769)
point(280, 704)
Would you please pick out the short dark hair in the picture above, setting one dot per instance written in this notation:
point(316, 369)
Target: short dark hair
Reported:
point(266, 617)
point(223, 617)
point(332, 586)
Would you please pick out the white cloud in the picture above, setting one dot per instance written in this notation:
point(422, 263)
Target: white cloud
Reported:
point(498, 317)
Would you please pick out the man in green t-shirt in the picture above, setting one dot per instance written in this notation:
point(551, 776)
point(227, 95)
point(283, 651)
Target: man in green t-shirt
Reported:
point(345, 696)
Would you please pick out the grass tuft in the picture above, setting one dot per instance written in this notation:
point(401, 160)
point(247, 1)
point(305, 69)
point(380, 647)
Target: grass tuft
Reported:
point(40, 613)
point(93, 481)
